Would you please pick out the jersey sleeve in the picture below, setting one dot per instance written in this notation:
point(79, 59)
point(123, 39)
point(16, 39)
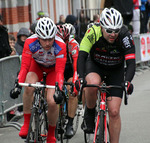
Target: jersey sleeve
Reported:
point(74, 52)
point(25, 62)
point(130, 57)
point(61, 58)
point(91, 36)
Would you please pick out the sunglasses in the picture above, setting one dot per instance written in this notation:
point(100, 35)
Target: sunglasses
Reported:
point(110, 31)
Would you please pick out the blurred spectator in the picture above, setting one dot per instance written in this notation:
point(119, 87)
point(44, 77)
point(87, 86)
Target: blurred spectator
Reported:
point(147, 13)
point(73, 20)
point(136, 17)
point(130, 28)
point(32, 27)
point(61, 20)
point(143, 28)
point(12, 42)
point(125, 7)
point(22, 35)
point(96, 18)
point(5, 49)
point(41, 14)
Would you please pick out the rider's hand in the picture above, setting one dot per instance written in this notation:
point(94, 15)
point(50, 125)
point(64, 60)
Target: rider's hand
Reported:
point(129, 86)
point(58, 96)
point(80, 82)
point(14, 93)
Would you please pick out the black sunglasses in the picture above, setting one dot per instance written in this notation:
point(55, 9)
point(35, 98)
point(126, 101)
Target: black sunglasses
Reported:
point(110, 31)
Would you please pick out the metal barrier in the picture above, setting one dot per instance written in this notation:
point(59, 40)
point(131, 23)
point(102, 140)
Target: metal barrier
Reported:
point(9, 66)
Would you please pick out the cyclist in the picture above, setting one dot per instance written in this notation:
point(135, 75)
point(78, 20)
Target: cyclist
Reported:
point(67, 33)
point(43, 52)
point(103, 50)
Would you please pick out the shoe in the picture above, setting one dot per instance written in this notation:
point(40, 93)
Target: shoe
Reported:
point(87, 128)
point(88, 124)
point(69, 131)
point(24, 131)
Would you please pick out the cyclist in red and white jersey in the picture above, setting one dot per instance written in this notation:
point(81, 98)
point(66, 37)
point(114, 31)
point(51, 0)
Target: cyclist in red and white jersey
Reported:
point(67, 33)
point(43, 52)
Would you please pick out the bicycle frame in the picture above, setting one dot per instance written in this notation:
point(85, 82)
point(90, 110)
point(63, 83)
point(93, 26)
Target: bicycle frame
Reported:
point(102, 106)
point(101, 119)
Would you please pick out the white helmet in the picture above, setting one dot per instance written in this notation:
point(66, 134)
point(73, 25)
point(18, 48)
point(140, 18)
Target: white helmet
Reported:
point(70, 28)
point(111, 19)
point(45, 28)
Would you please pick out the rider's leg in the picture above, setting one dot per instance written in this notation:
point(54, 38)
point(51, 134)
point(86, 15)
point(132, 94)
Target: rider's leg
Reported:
point(90, 92)
point(90, 99)
point(27, 103)
point(72, 107)
point(53, 112)
point(114, 104)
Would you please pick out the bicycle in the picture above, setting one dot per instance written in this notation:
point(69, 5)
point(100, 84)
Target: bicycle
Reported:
point(63, 112)
point(101, 127)
point(38, 126)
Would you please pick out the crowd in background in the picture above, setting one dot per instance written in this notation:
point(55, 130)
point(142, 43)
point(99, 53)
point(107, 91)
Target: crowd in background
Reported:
point(135, 14)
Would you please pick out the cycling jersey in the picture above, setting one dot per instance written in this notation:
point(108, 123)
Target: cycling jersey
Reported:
point(56, 56)
point(105, 54)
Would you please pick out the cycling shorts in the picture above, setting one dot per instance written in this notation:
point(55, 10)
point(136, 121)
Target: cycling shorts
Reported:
point(109, 76)
point(68, 71)
point(39, 69)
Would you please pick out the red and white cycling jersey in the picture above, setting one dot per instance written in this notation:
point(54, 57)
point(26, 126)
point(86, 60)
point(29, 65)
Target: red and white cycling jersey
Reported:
point(73, 47)
point(56, 56)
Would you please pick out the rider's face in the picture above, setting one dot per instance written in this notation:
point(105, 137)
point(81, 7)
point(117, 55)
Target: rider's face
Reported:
point(46, 43)
point(110, 37)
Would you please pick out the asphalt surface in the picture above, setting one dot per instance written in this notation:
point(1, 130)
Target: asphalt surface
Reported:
point(135, 117)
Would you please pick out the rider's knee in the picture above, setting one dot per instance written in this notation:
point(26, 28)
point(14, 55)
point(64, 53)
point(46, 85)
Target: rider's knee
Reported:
point(114, 113)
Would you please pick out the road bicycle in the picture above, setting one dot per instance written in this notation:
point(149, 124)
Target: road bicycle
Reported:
point(101, 121)
point(63, 112)
point(38, 127)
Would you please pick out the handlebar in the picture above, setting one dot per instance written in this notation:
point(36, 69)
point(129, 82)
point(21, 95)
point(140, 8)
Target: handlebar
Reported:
point(104, 87)
point(36, 85)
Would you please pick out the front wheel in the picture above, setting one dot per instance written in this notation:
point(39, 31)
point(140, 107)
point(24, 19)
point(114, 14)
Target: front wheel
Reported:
point(33, 127)
point(101, 128)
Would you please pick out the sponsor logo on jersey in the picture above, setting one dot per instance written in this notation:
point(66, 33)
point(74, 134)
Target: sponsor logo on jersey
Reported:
point(126, 42)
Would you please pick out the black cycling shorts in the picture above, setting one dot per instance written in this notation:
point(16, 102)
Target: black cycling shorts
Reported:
point(113, 76)
point(68, 71)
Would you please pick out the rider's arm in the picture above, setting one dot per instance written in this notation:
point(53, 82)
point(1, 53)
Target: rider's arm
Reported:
point(129, 58)
point(25, 62)
point(73, 48)
point(61, 58)
point(85, 47)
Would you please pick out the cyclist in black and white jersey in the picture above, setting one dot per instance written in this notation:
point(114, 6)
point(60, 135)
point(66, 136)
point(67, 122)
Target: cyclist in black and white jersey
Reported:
point(102, 53)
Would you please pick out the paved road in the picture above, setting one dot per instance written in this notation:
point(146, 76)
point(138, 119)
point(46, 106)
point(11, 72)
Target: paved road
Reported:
point(135, 117)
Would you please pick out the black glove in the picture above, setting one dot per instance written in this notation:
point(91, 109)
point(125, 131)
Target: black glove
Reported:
point(58, 96)
point(129, 86)
point(80, 82)
point(16, 90)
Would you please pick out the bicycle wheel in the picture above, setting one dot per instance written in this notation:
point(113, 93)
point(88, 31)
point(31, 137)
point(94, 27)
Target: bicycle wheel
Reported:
point(88, 138)
point(100, 138)
point(33, 127)
point(76, 118)
point(43, 126)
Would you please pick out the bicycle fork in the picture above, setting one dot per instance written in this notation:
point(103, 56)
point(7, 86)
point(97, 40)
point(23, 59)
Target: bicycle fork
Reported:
point(102, 108)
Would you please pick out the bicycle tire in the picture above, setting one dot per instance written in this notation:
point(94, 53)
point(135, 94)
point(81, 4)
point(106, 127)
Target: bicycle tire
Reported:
point(33, 127)
point(100, 138)
point(43, 126)
point(76, 120)
point(88, 138)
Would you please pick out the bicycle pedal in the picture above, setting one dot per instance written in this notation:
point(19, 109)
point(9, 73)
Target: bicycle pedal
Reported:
point(43, 135)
